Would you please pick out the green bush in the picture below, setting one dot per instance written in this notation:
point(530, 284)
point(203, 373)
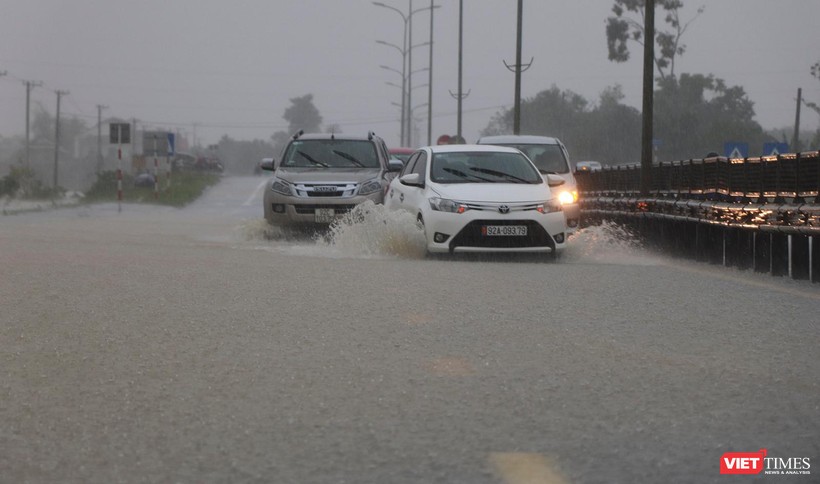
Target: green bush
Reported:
point(21, 182)
point(185, 188)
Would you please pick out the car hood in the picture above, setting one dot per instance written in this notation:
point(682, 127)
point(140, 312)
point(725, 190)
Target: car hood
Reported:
point(494, 192)
point(326, 175)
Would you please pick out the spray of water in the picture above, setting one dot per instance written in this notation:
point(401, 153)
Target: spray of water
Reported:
point(372, 230)
point(607, 243)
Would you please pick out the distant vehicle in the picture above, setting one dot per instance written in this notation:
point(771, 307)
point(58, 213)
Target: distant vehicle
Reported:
point(472, 198)
point(322, 176)
point(550, 156)
point(402, 154)
point(145, 179)
point(588, 166)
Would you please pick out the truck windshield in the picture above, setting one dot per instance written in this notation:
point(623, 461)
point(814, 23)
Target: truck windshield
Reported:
point(547, 158)
point(331, 154)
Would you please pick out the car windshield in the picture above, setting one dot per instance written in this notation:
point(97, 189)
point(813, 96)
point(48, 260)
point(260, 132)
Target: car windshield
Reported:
point(547, 158)
point(482, 167)
point(331, 154)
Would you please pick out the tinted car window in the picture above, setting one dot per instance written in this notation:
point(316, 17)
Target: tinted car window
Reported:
point(421, 166)
point(408, 167)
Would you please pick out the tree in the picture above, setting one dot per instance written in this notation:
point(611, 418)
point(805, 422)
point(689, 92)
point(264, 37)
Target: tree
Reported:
point(609, 132)
point(697, 114)
point(302, 114)
point(623, 27)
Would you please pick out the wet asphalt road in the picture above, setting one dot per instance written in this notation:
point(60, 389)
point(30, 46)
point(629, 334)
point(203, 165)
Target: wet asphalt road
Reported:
point(167, 345)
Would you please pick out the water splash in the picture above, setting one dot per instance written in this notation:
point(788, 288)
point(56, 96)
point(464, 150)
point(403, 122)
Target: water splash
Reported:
point(607, 243)
point(367, 231)
point(372, 230)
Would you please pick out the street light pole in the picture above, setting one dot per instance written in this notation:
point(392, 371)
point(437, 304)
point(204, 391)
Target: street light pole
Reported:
point(407, 57)
point(403, 73)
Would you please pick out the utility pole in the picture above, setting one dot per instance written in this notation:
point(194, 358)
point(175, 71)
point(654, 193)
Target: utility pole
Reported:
point(100, 107)
point(60, 94)
point(430, 83)
point(648, 97)
point(796, 139)
point(30, 85)
point(517, 122)
point(518, 68)
point(409, 112)
point(460, 95)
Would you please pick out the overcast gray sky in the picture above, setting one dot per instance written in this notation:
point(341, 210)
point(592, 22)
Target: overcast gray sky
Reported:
point(232, 66)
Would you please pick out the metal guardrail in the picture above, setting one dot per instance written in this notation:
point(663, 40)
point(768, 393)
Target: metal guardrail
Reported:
point(723, 198)
point(793, 176)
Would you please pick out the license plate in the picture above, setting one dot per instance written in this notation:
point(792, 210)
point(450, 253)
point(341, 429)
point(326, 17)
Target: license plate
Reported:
point(325, 215)
point(502, 230)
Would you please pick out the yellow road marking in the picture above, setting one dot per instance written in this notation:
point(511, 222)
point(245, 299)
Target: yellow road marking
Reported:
point(417, 318)
point(525, 468)
point(448, 366)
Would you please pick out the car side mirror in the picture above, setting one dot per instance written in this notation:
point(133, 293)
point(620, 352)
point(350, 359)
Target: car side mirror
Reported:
point(268, 165)
point(394, 165)
point(411, 180)
point(555, 180)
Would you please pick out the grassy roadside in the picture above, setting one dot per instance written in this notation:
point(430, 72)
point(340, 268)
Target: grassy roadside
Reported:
point(185, 187)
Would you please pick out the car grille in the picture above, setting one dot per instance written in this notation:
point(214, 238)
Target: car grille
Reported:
point(325, 190)
point(311, 208)
point(493, 207)
point(470, 236)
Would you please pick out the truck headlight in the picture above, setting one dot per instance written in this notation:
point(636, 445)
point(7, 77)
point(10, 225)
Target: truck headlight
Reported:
point(281, 186)
point(567, 198)
point(370, 186)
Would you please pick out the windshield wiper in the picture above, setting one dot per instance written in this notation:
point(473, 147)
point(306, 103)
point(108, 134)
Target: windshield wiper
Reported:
point(349, 158)
point(461, 174)
point(310, 159)
point(500, 174)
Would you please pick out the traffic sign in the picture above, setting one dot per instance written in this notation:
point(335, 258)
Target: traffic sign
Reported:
point(119, 133)
point(171, 144)
point(774, 148)
point(733, 149)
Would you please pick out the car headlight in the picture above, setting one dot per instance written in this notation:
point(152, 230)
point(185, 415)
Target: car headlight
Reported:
point(445, 205)
point(370, 186)
point(281, 186)
point(567, 198)
point(550, 206)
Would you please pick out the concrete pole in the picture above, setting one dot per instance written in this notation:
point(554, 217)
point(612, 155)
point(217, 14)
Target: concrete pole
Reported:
point(57, 137)
point(648, 97)
point(518, 42)
point(100, 107)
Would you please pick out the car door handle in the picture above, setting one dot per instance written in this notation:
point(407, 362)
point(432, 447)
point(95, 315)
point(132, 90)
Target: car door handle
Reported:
point(401, 197)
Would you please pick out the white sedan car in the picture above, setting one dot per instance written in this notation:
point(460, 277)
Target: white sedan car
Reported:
point(477, 198)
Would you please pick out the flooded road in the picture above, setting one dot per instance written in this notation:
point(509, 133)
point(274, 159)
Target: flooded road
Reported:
point(201, 345)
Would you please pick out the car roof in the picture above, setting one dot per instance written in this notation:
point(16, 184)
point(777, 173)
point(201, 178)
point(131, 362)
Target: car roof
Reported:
point(518, 139)
point(472, 149)
point(336, 136)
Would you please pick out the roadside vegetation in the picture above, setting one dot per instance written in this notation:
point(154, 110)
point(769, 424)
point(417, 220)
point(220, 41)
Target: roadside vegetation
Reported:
point(22, 183)
point(185, 187)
